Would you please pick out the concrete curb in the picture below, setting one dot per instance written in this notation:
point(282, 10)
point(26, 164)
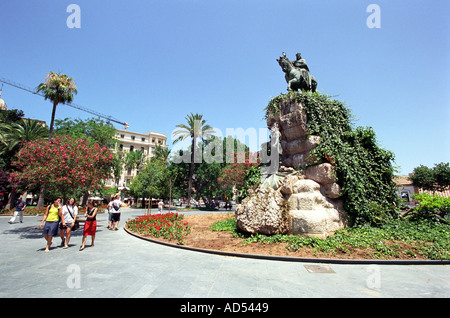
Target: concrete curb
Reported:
point(296, 259)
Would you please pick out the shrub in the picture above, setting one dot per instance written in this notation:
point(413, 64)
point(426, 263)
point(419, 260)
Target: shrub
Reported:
point(62, 164)
point(252, 178)
point(431, 205)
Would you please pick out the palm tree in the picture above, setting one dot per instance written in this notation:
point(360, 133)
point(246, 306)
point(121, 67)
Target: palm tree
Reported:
point(59, 88)
point(134, 160)
point(162, 154)
point(14, 135)
point(196, 128)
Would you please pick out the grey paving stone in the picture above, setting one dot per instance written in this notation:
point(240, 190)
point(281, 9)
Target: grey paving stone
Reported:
point(120, 265)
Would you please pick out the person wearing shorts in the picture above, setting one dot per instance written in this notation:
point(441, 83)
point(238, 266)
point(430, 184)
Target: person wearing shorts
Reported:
point(115, 213)
point(51, 218)
point(115, 219)
point(70, 212)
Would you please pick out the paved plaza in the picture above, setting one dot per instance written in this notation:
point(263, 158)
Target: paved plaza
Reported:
point(121, 265)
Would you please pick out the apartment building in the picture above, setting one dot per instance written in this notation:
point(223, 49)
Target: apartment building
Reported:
point(132, 141)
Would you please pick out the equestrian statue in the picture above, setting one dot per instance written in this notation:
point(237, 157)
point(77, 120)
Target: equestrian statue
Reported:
point(297, 74)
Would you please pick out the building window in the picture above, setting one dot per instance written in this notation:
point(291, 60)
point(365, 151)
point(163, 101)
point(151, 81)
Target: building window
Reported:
point(121, 147)
point(142, 139)
point(132, 137)
point(122, 136)
point(131, 148)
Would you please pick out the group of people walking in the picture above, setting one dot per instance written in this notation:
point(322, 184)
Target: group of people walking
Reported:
point(65, 216)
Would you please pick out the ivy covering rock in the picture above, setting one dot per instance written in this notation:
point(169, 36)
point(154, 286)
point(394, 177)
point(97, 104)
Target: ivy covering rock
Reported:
point(363, 170)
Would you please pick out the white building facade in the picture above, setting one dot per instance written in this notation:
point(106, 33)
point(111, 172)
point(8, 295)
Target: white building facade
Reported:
point(129, 141)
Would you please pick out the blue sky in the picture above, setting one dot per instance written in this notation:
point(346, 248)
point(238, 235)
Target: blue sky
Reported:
point(150, 63)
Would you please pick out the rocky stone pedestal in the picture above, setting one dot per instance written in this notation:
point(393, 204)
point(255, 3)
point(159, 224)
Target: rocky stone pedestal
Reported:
point(302, 198)
point(311, 212)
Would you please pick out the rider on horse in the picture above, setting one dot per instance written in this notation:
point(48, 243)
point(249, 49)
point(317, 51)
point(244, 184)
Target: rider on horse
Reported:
point(298, 72)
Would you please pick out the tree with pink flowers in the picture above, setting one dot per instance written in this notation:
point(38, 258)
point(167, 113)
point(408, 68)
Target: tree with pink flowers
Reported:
point(63, 165)
point(234, 174)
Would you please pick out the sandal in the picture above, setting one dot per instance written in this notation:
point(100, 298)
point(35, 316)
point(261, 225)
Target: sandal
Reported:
point(81, 248)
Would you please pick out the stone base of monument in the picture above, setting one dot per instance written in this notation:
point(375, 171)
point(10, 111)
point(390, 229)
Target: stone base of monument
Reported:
point(264, 211)
point(295, 205)
point(294, 200)
point(312, 214)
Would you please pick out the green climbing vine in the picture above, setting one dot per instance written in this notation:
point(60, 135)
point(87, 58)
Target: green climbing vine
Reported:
point(363, 169)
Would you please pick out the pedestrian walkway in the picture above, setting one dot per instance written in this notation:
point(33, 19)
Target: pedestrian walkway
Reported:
point(121, 265)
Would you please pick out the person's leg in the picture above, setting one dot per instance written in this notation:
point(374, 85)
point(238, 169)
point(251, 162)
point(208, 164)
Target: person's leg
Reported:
point(83, 242)
point(13, 218)
point(62, 233)
point(93, 230)
point(118, 220)
point(68, 231)
point(114, 220)
point(21, 216)
point(48, 238)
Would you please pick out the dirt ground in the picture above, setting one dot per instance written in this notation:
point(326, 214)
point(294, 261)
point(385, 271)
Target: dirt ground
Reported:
point(203, 237)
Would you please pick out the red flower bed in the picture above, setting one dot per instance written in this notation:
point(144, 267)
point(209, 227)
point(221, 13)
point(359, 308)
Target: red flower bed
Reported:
point(169, 226)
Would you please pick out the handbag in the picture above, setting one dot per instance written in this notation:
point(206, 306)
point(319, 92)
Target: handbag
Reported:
point(76, 224)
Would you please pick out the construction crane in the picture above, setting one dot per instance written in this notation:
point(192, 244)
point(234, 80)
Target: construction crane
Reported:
point(87, 110)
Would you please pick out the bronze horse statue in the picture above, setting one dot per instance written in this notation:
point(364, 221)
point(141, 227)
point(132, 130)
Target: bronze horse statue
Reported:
point(297, 74)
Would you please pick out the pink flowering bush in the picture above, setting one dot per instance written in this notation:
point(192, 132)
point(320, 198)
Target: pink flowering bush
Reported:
point(233, 174)
point(63, 164)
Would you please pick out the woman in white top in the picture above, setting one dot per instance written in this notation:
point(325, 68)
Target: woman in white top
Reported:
point(115, 213)
point(69, 211)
